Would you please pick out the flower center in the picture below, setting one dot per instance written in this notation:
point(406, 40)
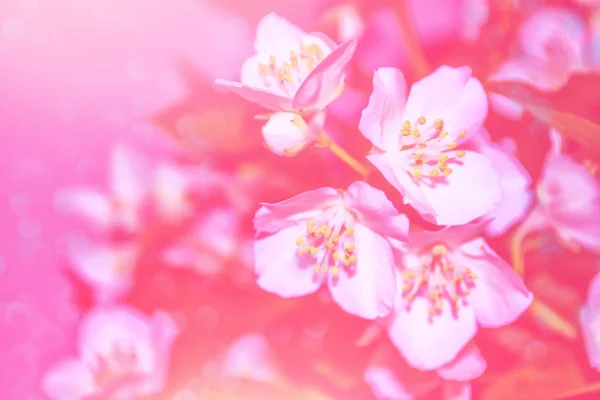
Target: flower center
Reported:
point(120, 363)
point(438, 280)
point(329, 246)
point(429, 146)
point(289, 74)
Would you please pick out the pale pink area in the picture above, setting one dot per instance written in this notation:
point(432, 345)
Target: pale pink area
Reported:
point(121, 353)
point(330, 236)
point(441, 111)
point(250, 357)
point(213, 241)
point(450, 283)
point(76, 77)
point(589, 319)
point(393, 379)
point(568, 201)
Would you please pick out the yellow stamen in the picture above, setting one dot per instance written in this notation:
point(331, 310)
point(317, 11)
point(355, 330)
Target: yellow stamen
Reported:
point(462, 134)
point(349, 231)
point(299, 241)
point(422, 120)
point(443, 134)
point(415, 133)
point(434, 173)
point(335, 271)
point(443, 158)
point(416, 174)
point(447, 171)
point(438, 124)
point(439, 249)
point(452, 145)
point(460, 153)
point(350, 247)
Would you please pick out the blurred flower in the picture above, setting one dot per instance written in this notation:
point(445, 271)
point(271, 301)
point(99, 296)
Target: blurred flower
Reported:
point(415, 142)
point(128, 182)
point(393, 379)
point(214, 240)
point(450, 281)
point(336, 236)
point(122, 354)
point(250, 357)
point(515, 180)
point(107, 268)
point(589, 317)
point(568, 201)
point(552, 43)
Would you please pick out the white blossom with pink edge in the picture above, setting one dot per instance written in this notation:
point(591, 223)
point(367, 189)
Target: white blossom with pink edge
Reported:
point(416, 141)
point(398, 381)
point(336, 237)
point(449, 282)
point(122, 354)
point(295, 74)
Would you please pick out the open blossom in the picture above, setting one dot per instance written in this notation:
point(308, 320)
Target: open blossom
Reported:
point(393, 379)
point(589, 318)
point(122, 354)
point(292, 70)
point(552, 44)
point(297, 75)
point(333, 236)
point(250, 357)
point(514, 179)
point(121, 207)
point(568, 201)
point(451, 281)
point(417, 143)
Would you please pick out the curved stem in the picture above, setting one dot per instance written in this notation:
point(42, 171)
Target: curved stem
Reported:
point(552, 320)
point(593, 387)
point(325, 141)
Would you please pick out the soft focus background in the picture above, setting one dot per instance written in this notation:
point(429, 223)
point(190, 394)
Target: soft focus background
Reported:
point(78, 79)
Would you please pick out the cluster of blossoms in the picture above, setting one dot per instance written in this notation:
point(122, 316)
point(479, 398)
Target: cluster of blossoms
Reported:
point(423, 285)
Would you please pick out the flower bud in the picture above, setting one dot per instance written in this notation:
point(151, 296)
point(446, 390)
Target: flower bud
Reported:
point(286, 134)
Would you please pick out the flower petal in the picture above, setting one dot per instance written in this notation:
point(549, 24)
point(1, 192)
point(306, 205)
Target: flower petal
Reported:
point(506, 107)
point(276, 35)
point(402, 181)
point(370, 293)
point(516, 193)
point(278, 266)
point(472, 190)
point(468, 365)
point(376, 210)
point(427, 344)
point(259, 96)
point(69, 380)
point(590, 328)
point(449, 94)
point(302, 207)
point(381, 121)
point(323, 84)
point(499, 296)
